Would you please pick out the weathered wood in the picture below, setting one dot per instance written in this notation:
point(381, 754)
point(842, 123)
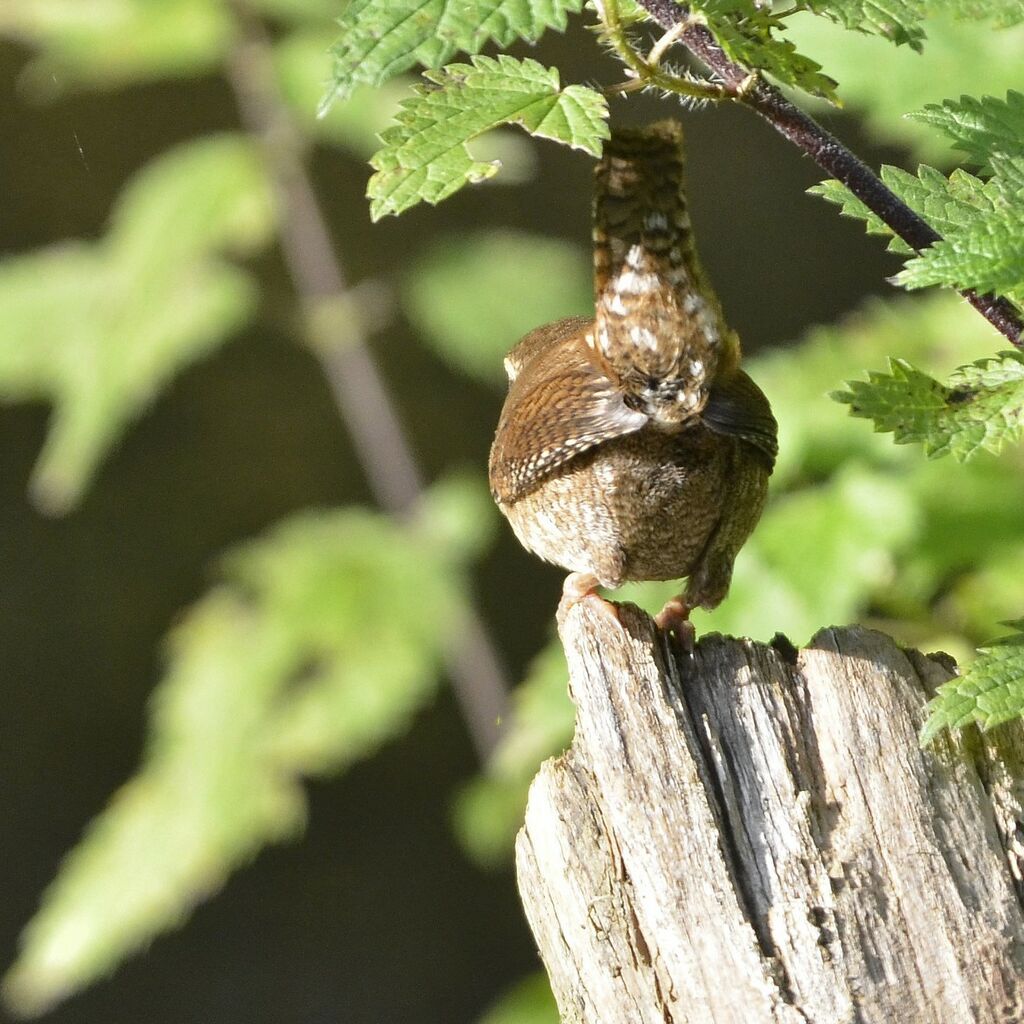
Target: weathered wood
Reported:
point(747, 837)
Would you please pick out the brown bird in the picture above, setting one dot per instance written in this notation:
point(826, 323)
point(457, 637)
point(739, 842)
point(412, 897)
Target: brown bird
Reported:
point(631, 446)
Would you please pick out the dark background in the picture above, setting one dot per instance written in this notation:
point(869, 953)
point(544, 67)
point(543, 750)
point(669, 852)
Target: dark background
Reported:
point(376, 915)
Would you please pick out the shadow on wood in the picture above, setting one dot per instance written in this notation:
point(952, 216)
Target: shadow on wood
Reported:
point(753, 835)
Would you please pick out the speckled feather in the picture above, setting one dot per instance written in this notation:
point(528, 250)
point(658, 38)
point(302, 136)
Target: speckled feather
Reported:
point(631, 446)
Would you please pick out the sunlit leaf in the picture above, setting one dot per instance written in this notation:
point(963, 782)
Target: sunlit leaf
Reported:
point(425, 157)
point(990, 692)
point(383, 38)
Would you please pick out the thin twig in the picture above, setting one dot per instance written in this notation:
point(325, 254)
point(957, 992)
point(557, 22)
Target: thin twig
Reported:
point(824, 148)
point(360, 394)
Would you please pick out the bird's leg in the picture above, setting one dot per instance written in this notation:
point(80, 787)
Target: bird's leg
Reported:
point(674, 619)
point(578, 587)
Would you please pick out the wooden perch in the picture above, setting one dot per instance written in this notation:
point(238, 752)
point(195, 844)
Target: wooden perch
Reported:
point(753, 835)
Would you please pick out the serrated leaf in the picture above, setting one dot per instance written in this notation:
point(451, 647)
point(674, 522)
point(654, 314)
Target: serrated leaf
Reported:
point(980, 127)
point(750, 34)
point(849, 205)
point(982, 224)
point(322, 643)
point(303, 65)
point(425, 157)
point(990, 692)
point(896, 20)
point(383, 38)
point(99, 328)
point(472, 311)
point(982, 406)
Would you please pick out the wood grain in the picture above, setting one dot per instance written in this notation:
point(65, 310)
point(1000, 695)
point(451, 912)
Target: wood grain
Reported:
point(743, 837)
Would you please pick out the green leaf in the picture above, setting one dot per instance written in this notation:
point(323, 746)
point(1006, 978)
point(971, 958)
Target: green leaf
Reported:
point(472, 310)
point(849, 205)
point(982, 406)
point(100, 328)
point(383, 38)
point(303, 64)
point(980, 128)
point(528, 1002)
point(489, 811)
point(109, 44)
point(990, 692)
point(982, 224)
point(748, 32)
point(323, 642)
point(896, 20)
point(425, 156)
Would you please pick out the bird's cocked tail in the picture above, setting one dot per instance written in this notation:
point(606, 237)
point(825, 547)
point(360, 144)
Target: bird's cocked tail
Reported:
point(659, 330)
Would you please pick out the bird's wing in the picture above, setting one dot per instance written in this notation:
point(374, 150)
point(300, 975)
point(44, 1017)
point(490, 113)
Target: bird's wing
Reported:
point(738, 408)
point(558, 407)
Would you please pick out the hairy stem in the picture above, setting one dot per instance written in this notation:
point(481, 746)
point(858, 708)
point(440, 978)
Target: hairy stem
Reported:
point(824, 148)
point(361, 397)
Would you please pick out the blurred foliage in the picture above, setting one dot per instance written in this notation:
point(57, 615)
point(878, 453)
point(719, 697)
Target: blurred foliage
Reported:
point(466, 303)
point(881, 82)
point(323, 640)
point(529, 1002)
point(87, 325)
point(325, 637)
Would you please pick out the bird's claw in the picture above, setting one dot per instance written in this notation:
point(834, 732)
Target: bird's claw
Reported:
point(674, 619)
point(582, 586)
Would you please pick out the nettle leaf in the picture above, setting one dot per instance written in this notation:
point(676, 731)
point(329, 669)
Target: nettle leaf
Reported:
point(982, 224)
point(303, 64)
point(849, 205)
point(747, 32)
point(980, 128)
point(99, 328)
point(425, 157)
point(383, 38)
point(981, 407)
point(896, 20)
point(323, 641)
point(472, 311)
point(990, 692)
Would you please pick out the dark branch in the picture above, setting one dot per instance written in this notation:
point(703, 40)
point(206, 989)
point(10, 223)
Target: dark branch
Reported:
point(826, 151)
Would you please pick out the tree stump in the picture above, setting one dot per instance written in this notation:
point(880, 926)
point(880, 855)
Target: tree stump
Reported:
point(752, 835)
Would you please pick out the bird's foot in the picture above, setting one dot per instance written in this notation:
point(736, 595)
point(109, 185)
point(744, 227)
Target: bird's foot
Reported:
point(674, 619)
point(581, 586)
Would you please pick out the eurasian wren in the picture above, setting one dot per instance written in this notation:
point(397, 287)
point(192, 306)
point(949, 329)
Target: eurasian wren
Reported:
point(631, 446)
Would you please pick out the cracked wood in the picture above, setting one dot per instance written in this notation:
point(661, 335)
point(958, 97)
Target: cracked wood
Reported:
point(754, 836)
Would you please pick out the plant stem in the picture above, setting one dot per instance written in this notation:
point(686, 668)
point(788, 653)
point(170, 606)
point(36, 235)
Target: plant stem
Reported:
point(361, 397)
point(824, 148)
